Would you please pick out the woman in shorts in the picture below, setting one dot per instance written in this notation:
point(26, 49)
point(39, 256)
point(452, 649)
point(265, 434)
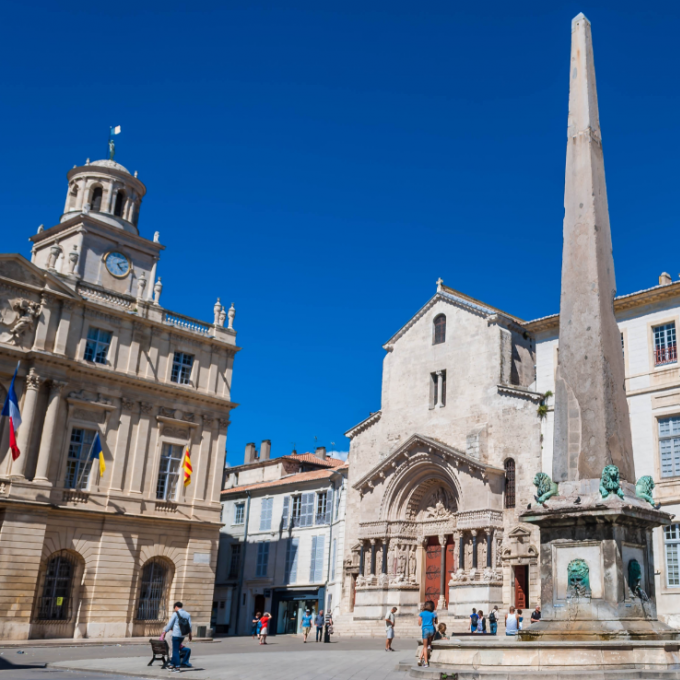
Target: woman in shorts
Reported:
point(265, 625)
point(427, 621)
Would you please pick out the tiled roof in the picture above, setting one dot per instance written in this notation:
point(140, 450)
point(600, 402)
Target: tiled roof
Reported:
point(312, 458)
point(290, 479)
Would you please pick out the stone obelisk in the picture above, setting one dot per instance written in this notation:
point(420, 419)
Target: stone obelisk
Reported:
point(592, 427)
point(597, 564)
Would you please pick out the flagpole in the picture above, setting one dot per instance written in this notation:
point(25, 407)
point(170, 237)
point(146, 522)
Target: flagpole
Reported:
point(89, 458)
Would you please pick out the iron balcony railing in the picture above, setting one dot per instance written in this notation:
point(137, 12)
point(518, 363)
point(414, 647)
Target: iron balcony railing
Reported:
point(665, 355)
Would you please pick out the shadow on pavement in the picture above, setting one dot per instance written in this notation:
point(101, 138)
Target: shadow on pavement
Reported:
point(6, 665)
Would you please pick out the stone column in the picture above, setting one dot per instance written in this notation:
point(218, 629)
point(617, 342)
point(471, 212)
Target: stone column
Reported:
point(489, 547)
point(440, 391)
point(442, 576)
point(43, 323)
point(461, 552)
point(437, 389)
point(220, 455)
point(373, 546)
point(362, 558)
point(49, 430)
point(385, 548)
point(474, 548)
point(33, 381)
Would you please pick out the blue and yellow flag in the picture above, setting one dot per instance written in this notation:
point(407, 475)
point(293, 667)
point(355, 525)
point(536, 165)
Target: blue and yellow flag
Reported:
point(98, 453)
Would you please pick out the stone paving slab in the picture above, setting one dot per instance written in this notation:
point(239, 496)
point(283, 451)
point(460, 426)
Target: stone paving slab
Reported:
point(305, 664)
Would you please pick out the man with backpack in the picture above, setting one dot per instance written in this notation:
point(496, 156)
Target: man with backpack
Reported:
point(180, 625)
point(474, 620)
point(493, 620)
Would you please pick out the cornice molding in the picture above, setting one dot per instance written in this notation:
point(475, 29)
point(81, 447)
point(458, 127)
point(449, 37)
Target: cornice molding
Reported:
point(364, 425)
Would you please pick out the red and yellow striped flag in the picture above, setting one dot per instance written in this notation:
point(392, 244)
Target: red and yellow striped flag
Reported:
point(186, 466)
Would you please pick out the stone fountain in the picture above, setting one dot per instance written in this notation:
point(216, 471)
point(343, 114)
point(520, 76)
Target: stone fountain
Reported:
point(596, 519)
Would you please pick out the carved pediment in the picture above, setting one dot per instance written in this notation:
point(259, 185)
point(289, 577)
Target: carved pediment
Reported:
point(17, 271)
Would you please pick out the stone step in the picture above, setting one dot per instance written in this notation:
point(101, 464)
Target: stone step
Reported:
point(438, 672)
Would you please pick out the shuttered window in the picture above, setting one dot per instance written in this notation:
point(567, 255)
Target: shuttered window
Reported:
point(266, 514)
point(316, 567)
point(262, 559)
point(307, 509)
point(286, 512)
point(671, 540)
point(291, 560)
point(669, 446)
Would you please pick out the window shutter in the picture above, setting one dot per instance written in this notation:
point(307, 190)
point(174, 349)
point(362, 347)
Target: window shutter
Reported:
point(286, 512)
point(307, 510)
point(312, 565)
point(291, 560)
point(266, 514)
point(316, 571)
point(329, 506)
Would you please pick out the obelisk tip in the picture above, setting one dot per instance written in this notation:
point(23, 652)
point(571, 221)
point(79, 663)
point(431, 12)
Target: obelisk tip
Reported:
point(579, 17)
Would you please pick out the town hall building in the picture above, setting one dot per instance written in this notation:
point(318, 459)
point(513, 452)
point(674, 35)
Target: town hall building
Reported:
point(85, 553)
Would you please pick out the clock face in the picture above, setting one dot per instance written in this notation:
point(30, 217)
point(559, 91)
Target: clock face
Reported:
point(117, 264)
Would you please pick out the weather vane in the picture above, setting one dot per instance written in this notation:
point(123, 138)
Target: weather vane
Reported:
point(112, 145)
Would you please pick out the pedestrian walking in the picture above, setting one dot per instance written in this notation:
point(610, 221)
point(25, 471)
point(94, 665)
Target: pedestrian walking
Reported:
point(493, 620)
point(536, 614)
point(264, 621)
point(389, 628)
point(474, 619)
point(180, 625)
point(481, 622)
point(428, 621)
point(511, 622)
point(328, 631)
point(319, 622)
point(306, 624)
point(255, 626)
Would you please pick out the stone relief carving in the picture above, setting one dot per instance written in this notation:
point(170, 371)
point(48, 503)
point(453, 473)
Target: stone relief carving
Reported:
point(439, 505)
point(26, 313)
point(90, 416)
point(578, 574)
point(145, 407)
point(178, 432)
point(412, 565)
point(167, 412)
point(126, 404)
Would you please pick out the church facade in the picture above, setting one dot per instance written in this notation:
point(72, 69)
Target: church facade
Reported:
point(86, 553)
point(438, 476)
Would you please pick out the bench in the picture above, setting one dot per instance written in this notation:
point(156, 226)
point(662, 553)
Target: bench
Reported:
point(160, 651)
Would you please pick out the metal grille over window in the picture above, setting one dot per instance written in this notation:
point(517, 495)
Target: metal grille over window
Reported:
point(181, 368)
point(168, 473)
point(292, 560)
point(669, 446)
point(55, 603)
point(262, 559)
point(97, 345)
point(266, 514)
point(152, 594)
point(321, 505)
point(439, 329)
point(672, 540)
point(510, 483)
point(78, 465)
point(665, 345)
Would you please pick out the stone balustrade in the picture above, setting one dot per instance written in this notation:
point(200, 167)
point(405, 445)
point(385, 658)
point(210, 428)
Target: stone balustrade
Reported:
point(187, 324)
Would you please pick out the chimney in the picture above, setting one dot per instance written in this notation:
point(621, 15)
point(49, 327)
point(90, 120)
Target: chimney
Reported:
point(321, 452)
point(251, 454)
point(665, 279)
point(265, 448)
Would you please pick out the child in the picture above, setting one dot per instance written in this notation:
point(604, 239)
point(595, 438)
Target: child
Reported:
point(441, 632)
point(184, 656)
point(255, 627)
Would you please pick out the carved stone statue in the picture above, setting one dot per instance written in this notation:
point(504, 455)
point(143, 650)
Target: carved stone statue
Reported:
point(440, 507)
point(610, 482)
point(578, 574)
point(401, 563)
point(412, 565)
point(112, 149)
point(643, 489)
point(26, 312)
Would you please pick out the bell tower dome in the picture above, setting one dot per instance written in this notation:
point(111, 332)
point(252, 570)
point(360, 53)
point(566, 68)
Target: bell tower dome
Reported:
point(107, 190)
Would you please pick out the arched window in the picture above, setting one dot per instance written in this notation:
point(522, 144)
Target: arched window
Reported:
point(55, 603)
point(96, 202)
point(120, 202)
point(439, 329)
point(152, 593)
point(509, 483)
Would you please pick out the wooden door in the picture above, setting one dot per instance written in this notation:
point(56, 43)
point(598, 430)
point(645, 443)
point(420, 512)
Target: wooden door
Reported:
point(521, 586)
point(450, 565)
point(433, 570)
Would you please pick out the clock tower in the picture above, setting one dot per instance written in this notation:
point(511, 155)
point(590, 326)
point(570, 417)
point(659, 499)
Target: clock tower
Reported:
point(97, 239)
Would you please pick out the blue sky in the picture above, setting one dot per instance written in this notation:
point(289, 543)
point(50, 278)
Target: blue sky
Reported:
point(321, 164)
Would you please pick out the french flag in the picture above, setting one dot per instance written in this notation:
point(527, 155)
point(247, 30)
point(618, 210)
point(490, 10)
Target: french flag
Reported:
point(11, 410)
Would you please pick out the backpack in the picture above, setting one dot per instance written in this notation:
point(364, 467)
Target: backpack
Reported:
point(475, 619)
point(184, 625)
point(492, 617)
